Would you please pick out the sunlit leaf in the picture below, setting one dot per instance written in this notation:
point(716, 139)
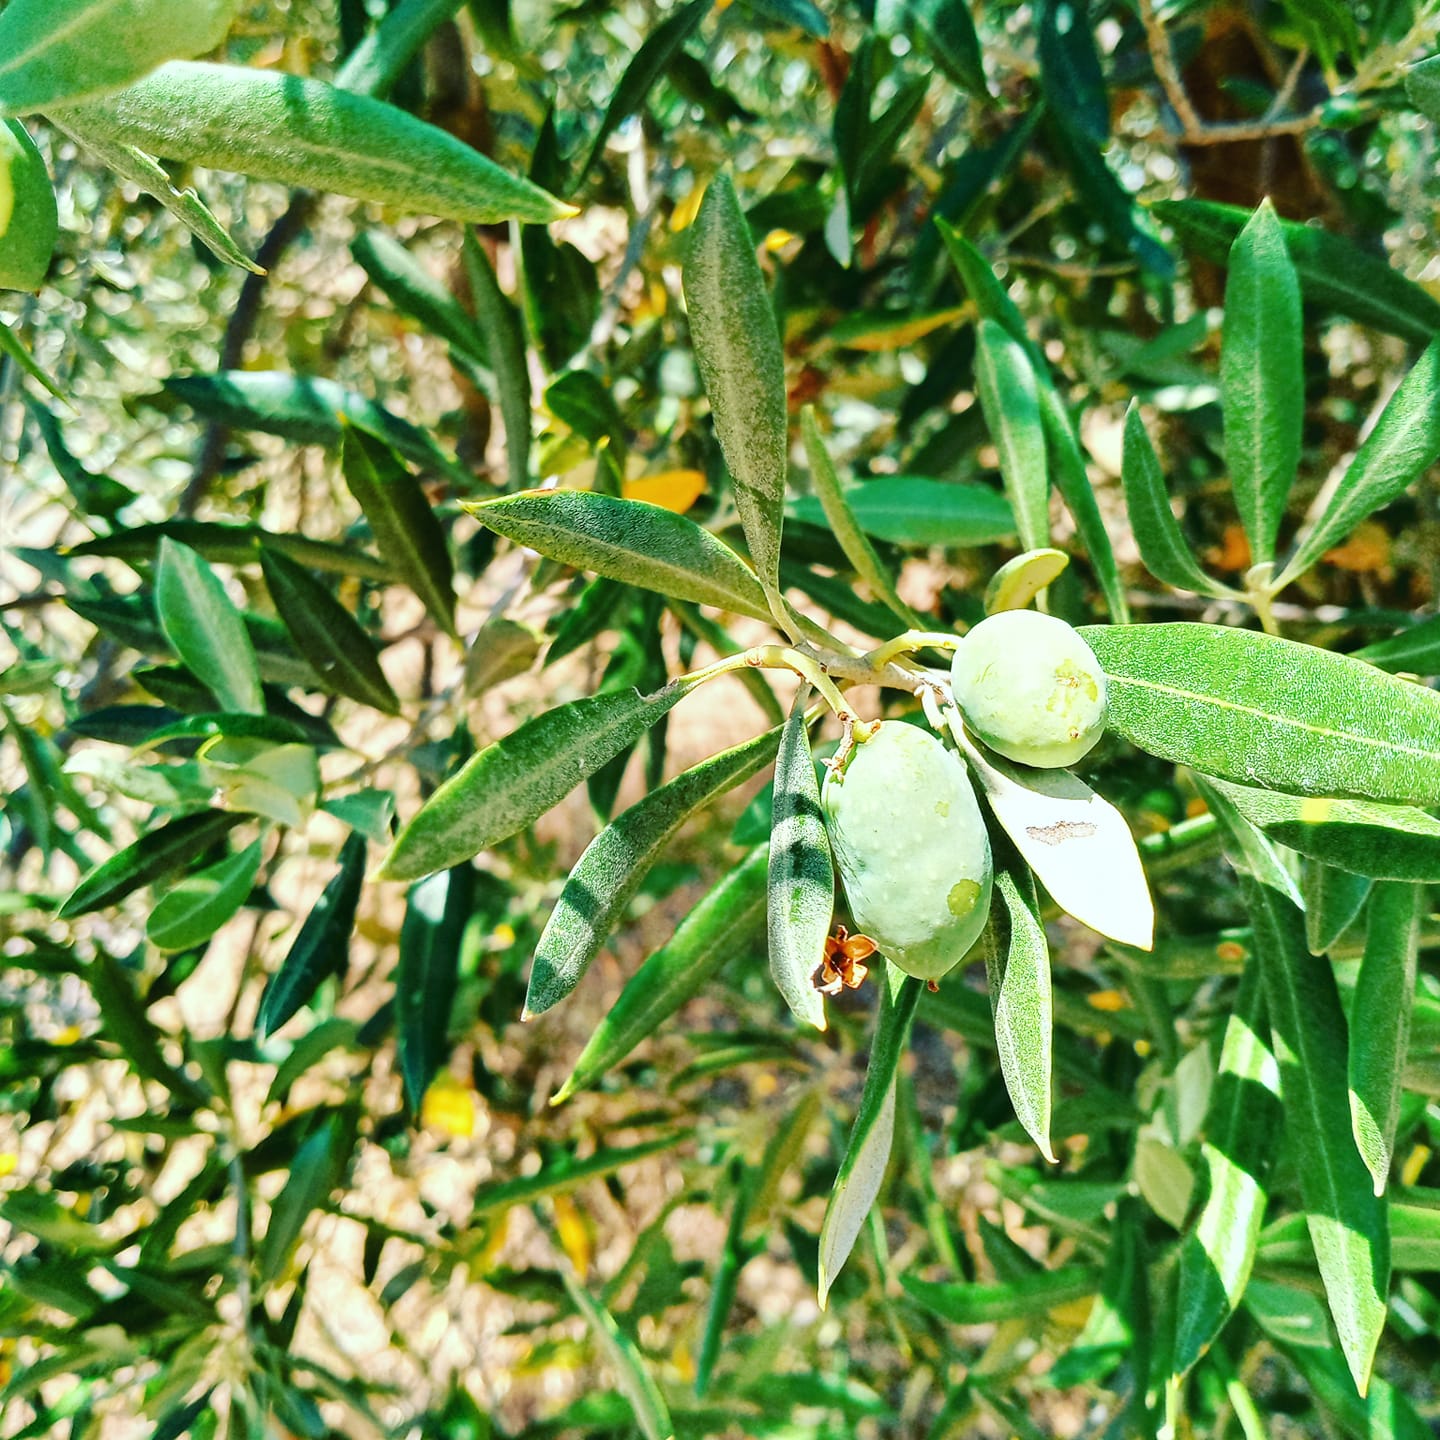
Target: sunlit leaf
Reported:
point(204, 627)
point(1009, 396)
point(1347, 1221)
point(274, 126)
point(1380, 1023)
point(629, 540)
point(802, 873)
point(738, 350)
point(1264, 711)
point(192, 909)
point(1242, 1135)
point(914, 510)
point(614, 864)
point(868, 1151)
point(722, 924)
point(514, 781)
point(55, 55)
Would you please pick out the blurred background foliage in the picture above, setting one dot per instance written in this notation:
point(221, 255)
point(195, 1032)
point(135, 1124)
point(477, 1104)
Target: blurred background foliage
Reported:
point(207, 1232)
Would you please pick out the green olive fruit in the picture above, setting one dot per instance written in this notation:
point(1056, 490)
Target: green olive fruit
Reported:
point(911, 848)
point(28, 222)
point(1030, 688)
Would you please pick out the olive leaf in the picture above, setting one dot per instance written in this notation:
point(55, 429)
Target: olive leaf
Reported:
point(1017, 972)
point(1009, 396)
point(1380, 1023)
point(802, 873)
point(299, 131)
point(1262, 385)
point(868, 1152)
point(721, 925)
point(514, 781)
point(1347, 1221)
point(1242, 1135)
point(628, 540)
point(1077, 843)
point(1259, 710)
point(737, 346)
point(608, 874)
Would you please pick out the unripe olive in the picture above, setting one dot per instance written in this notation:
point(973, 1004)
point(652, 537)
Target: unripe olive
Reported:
point(1030, 688)
point(911, 848)
point(27, 210)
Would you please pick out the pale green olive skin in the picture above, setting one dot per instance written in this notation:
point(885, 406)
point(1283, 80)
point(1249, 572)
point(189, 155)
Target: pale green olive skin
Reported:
point(911, 848)
point(1031, 688)
point(28, 224)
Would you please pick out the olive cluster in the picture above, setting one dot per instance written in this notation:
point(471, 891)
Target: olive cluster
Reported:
point(906, 830)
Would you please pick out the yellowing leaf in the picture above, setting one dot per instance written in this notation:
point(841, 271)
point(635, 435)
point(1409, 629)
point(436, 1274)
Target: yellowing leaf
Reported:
point(449, 1107)
point(674, 490)
point(684, 213)
point(891, 332)
point(1366, 551)
point(573, 1232)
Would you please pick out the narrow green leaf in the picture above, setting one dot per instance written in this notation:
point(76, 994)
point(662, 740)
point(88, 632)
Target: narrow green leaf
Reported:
point(127, 1024)
point(12, 346)
point(145, 172)
point(431, 937)
point(407, 532)
point(327, 634)
point(1333, 899)
point(563, 1172)
point(802, 873)
point(734, 1254)
point(1334, 271)
point(501, 322)
point(1262, 378)
point(607, 875)
point(1404, 443)
point(321, 948)
point(1385, 1412)
point(1347, 1221)
point(308, 410)
point(156, 853)
point(629, 540)
point(1009, 397)
point(719, 926)
point(416, 293)
point(868, 1152)
point(1247, 847)
point(1077, 843)
point(635, 1380)
point(1242, 1135)
point(1264, 711)
point(514, 781)
point(1157, 532)
point(1017, 972)
point(205, 629)
point(195, 907)
point(1384, 842)
point(1018, 581)
point(650, 62)
point(55, 55)
point(737, 346)
point(315, 1171)
point(583, 401)
point(843, 522)
point(913, 510)
point(947, 31)
point(1066, 460)
point(1416, 650)
point(378, 61)
point(299, 131)
point(1021, 1299)
point(223, 544)
point(313, 1045)
point(1422, 85)
point(1380, 1023)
